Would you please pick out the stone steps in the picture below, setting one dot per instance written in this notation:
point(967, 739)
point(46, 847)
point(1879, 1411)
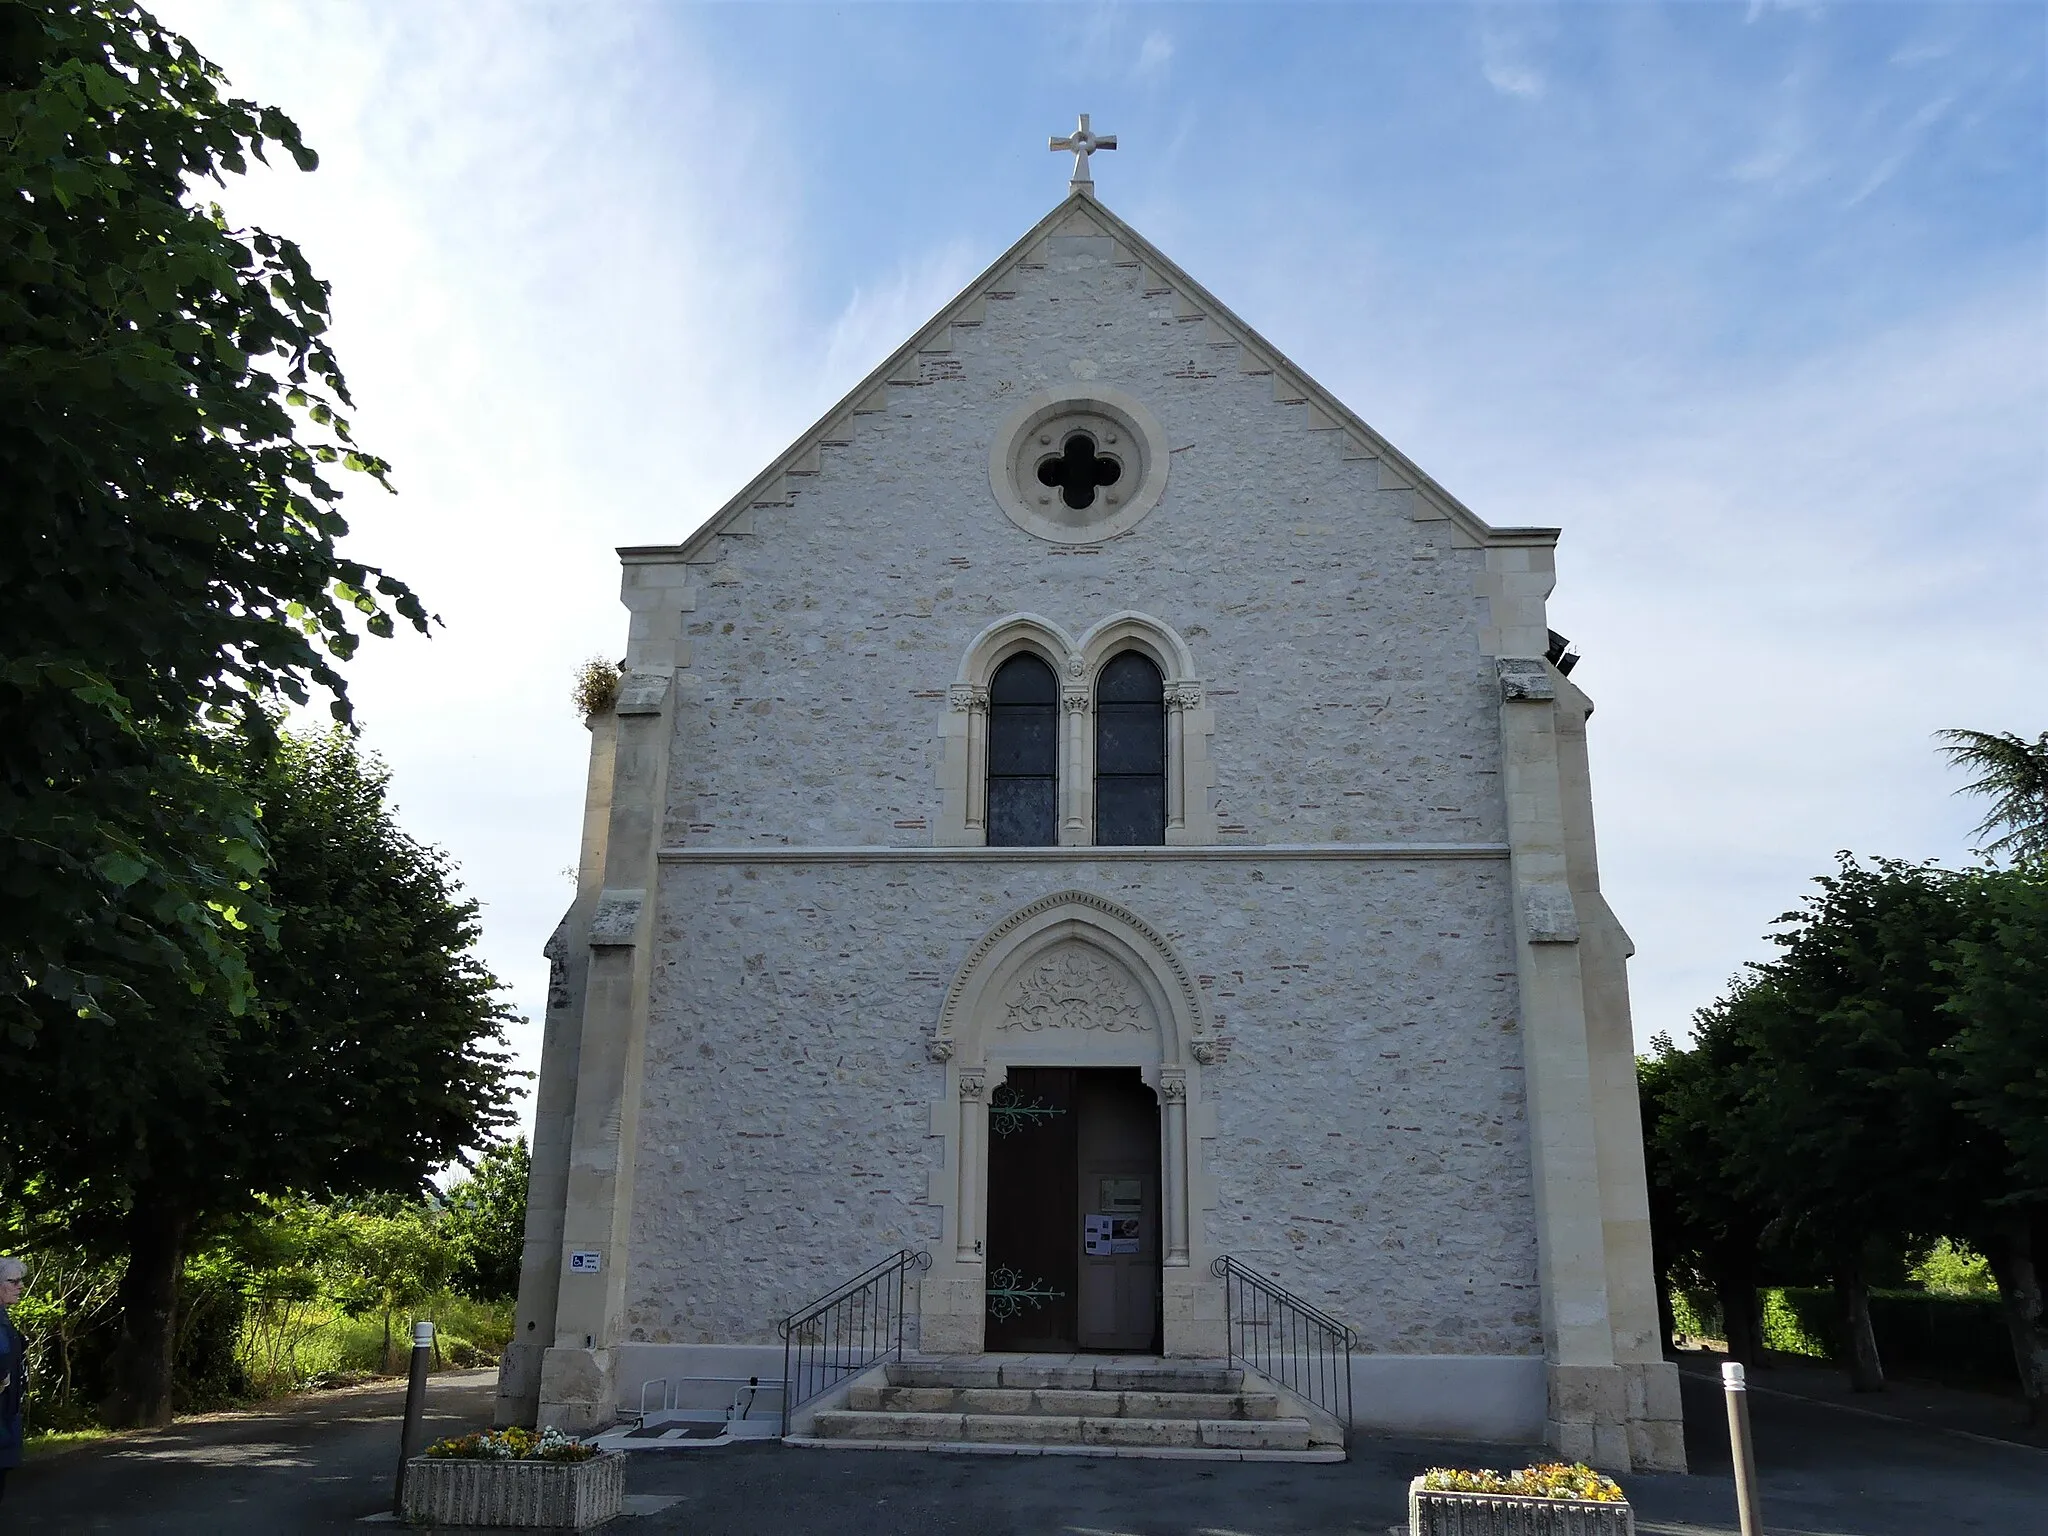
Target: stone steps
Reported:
point(1086, 1404)
point(1071, 1405)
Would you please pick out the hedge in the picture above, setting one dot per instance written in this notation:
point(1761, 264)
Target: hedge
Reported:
point(1956, 1339)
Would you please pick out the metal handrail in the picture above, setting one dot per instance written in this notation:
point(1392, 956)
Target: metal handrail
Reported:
point(1291, 1341)
point(845, 1331)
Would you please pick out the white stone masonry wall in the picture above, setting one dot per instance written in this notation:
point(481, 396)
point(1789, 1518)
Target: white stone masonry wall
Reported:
point(1338, 637)
point(1370, 1146)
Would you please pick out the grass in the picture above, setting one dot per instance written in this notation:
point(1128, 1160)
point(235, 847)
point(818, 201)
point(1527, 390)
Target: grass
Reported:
point(56, 1442)
point(284, 1351)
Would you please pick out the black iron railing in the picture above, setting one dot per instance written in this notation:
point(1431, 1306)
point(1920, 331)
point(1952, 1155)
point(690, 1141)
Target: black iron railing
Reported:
point(842, 1334)
point(1286, 1340)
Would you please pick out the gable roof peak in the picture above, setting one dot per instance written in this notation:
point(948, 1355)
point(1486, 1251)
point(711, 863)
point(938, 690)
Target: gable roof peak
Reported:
point(1082, 213)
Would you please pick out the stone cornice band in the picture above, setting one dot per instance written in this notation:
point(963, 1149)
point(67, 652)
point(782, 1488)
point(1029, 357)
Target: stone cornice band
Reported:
point(1394, 853)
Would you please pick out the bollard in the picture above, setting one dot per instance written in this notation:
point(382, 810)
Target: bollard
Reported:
point(1740, 1449)
point(415, 1409)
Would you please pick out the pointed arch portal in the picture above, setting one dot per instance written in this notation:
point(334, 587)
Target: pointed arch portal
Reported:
point(1077, 989)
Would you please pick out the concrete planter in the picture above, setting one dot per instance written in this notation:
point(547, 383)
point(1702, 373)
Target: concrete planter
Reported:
point(1509, 1514)
point(557, 1494)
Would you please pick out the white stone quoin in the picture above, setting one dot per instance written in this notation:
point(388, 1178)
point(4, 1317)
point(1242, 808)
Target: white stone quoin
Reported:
point(1367, 971)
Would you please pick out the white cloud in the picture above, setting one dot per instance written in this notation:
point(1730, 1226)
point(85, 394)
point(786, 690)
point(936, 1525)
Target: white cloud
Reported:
point(1784, 586)
point(1505, 72)
point(879, 319)
point(563, 333)
point(1909, 137)
point(1154, 55)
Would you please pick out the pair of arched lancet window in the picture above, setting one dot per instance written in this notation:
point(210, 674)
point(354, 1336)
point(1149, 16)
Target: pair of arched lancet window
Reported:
point(1024, 753)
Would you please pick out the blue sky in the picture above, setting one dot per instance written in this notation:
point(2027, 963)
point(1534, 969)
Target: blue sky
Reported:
point(1751, 300)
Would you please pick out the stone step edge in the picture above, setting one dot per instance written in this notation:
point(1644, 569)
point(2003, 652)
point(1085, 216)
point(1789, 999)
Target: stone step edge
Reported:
point(1199, 1385)
point(928, 1425)
point(1115, 1408)
point(1320, 1454)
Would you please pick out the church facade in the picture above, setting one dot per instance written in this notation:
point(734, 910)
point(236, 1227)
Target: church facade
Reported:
point(1093, 731)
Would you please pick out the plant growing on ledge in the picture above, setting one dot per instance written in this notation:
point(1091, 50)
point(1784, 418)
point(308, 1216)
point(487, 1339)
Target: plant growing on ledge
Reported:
point(596, 688)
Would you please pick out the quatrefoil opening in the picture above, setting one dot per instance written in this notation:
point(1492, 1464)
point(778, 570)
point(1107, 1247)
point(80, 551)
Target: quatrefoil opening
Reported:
point(1078, 470)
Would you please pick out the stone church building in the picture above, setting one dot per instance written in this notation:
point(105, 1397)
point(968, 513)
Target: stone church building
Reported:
point(1089, 808)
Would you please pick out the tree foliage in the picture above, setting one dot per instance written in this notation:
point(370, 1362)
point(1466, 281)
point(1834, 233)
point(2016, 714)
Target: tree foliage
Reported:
point(169, 420)
point(2012, 773)
point(1881, 1084)
point(486, 1222)
point(372, 1055)
point(2000, 1050)
point(388, 1262)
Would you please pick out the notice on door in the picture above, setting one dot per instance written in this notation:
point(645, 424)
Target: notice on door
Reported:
point(1122, 1196)
point(1104, 1235)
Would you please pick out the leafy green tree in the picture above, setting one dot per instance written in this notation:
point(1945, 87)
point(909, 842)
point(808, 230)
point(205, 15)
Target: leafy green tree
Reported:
point(2000, 1054)
point(2012, 772)
point(1711, 1218)
point(373, 1055)
point(1851, 1127)
point(168, 420)
point(486, 1223)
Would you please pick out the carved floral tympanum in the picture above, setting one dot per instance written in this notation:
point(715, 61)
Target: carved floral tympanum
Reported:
point(1074, 989)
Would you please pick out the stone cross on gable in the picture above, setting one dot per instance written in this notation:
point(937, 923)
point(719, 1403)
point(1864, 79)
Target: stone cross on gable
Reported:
point(1083, 144)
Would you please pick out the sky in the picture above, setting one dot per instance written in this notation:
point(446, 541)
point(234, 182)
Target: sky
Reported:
point(1751, 300)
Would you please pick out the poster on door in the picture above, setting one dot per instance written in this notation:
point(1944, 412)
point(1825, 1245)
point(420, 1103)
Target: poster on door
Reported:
point(1104, 1236)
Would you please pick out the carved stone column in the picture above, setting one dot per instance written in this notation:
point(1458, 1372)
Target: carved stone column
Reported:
point(973, 1137)
point(1173, 1162)
point(973, 701)
point(1076, 788)
point(1179, 699)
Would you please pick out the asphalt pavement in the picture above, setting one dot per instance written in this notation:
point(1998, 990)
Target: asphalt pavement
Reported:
point(314, 1463)
point(322, 1463)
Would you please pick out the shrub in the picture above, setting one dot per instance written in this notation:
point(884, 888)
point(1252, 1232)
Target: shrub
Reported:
point(1959, 1339)
point(1803, 1320)
point(1950, 1268)
point(1696, 1314)
point(1553, 1480)
point(485, 1221)
point(486, 1324)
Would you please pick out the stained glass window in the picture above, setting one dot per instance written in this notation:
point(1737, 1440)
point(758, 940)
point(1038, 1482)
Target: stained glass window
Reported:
point(1130, 753)
point(1023, 755)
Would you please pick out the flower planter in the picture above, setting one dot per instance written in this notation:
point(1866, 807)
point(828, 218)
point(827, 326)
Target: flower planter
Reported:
point(1509, 1514)
point(560, 1494)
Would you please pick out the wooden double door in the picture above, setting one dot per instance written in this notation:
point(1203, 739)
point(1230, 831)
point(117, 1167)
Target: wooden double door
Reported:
point(1073, 1212)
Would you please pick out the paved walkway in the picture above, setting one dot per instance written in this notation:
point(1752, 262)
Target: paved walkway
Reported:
point(320, 1464)
point(313, 1463)
point(1991, 1414)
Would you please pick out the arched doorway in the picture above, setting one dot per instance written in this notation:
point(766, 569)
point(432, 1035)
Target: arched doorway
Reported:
point(1074, 1039)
